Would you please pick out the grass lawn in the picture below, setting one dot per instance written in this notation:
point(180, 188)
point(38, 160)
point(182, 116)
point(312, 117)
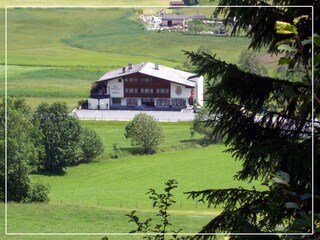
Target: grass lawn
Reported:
point(94, 197)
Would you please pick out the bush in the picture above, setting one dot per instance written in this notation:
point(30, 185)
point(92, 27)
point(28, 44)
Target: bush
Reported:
point(90, 145)
point(38, 192)
point(83, 104)
point(117, 151)
point(202, 124)
point(145, 132)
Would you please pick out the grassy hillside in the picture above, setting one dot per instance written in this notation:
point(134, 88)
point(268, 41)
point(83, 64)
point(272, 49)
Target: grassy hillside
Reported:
point(94, 197)
point(100, 37)
point(55, 54)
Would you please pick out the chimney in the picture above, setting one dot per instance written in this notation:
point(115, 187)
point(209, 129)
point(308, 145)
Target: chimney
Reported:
point(123, 69)
point(156, 66)
point(129, 66)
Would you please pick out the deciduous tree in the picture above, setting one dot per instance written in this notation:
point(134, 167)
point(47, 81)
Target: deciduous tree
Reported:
point(145, 132)
point(22, 149)
point(61, 136)
point(90, 145)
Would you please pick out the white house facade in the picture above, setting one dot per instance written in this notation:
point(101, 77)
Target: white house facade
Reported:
point(145, 86)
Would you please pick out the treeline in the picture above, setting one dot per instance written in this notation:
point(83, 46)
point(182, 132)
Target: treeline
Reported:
point(48, 139)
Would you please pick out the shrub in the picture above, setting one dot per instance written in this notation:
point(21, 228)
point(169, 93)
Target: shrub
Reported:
point(161, 201)
point(38, 192)
point(144, 131)
point(202, 124)
point(117, 151)
point(83, 104)
point(91, 145)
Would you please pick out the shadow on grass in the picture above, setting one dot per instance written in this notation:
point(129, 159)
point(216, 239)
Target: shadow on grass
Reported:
point(47, 173)
point(133, 151)
point(193, 141)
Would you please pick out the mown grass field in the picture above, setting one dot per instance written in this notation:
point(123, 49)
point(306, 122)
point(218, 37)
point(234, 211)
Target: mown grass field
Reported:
point(55, 54)
point(95, 197)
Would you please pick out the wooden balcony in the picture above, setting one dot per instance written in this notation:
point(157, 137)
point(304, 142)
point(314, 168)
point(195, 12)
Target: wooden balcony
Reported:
point(100, 96)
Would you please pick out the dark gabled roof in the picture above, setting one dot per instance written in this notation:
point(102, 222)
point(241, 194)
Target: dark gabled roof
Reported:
point(154, 70)
point(183, 17)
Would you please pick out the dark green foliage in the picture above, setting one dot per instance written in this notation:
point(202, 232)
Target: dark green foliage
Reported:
point(162, 201)
point(259, 22)
point(145, 132)
point(60, 136)
point(250, 62)
point(117, 151)
point(83, 104)
point(203, 124)
point(275, 141)
point(22, 149)
point(38, 192)
point(90, 145)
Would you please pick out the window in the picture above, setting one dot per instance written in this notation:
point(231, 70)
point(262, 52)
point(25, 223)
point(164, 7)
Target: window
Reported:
point(132, 102)
point(147, 101)
point(179, 102)
point(126, 90)
point(146, 90)
point(142, 90)
point(163, 90)
point(163, 102)
point(151, 90)
point(116, 100)
point(120, 80)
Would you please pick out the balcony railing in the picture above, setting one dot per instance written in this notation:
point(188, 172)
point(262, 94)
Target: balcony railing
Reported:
point(99, 96)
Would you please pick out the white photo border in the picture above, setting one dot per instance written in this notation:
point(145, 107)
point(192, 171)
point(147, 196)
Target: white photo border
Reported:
point(142, 234)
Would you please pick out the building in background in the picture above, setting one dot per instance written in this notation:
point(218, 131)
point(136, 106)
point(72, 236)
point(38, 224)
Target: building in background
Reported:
point(146, 86)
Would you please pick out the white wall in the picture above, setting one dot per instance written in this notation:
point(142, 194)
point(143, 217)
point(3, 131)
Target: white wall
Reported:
point(185, 94)
point(103, 103)
point(93, 103)
point(199, 90)
point(123, 101)
point(116, 88)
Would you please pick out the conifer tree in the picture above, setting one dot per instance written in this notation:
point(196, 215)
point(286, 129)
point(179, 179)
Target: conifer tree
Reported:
point(275, 146)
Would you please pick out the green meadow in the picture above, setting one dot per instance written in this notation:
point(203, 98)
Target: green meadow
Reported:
point(94, 198)
point(55, 54)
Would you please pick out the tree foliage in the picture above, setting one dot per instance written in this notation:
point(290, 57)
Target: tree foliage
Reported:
point(201, 124)
point(250, 62)
point(90, 145)
point(162, 201)
point(60, 136)
point(145, 132)
point(274, 146)
point(22, 149)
